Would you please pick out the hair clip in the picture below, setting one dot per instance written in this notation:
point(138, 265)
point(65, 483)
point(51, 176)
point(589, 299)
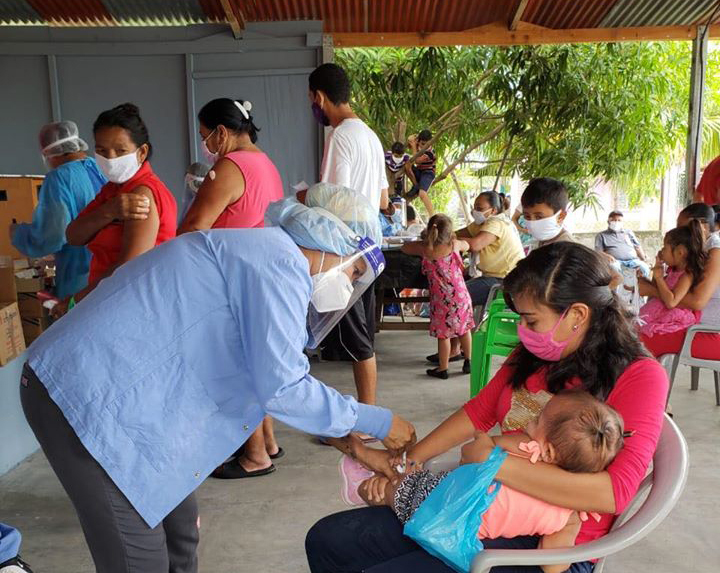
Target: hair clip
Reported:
point(628, 434)
point(244, 108)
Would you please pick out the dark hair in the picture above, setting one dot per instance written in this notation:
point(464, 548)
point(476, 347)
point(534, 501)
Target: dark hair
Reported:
point(493, 200)
point(545, 190)
point(586, 435)
point(691, 237)
point(439, 231)
point(703, 213)
point(332, 80)
point(505, 200)
point(559, 275)
point(225, 111)
point(398, 148)
point(126, 116)
point(425, 135)
point(615, 214)
point(410, 213)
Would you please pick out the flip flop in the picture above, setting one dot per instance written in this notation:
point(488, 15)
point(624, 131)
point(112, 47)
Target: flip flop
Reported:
point(233, 470)
point(277, 455)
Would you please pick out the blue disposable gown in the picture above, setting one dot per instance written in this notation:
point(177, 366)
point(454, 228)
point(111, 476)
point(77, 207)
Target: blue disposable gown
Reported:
point(64, 193)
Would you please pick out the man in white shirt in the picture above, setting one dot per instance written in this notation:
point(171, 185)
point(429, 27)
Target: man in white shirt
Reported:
point(354, 157)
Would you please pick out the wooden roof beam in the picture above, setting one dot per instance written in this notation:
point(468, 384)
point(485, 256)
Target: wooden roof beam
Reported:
point(497, 34)
point(234, 17)
point(517, 15)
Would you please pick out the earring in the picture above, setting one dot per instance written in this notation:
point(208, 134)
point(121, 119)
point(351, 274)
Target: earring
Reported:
point(575, 327)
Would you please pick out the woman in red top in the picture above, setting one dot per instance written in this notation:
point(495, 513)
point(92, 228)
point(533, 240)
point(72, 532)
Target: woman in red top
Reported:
point(134, 211)
point(234, 195)
point(574, 334)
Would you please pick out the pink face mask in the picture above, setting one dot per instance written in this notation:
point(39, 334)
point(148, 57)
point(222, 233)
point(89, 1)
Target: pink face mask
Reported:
point(541, 344)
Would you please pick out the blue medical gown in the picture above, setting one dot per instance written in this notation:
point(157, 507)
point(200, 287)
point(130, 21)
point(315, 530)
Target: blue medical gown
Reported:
point(64, 193)
point(170, 364)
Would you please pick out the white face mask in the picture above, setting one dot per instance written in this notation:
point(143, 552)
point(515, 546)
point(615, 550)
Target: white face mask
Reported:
point(120, 169)
point(332, 289)
point(398, 158)
point(210, 157)
point(479, 217)
point(544, 229)
point(615, 226)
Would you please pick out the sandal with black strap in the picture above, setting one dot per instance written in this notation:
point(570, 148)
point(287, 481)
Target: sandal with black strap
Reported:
point(233, 470)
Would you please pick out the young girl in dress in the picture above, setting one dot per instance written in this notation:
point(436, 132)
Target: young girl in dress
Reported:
point(451, 313)
point(685, 256)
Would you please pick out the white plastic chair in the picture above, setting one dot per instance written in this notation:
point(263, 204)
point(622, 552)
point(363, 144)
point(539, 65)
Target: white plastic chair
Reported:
point(686, 358)
point(666, 482)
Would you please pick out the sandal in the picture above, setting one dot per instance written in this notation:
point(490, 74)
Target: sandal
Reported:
point(437, 373)
point(277, 455)
point(233, 470)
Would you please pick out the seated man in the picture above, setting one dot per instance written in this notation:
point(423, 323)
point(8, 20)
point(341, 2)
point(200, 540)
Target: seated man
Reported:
point(621, 247)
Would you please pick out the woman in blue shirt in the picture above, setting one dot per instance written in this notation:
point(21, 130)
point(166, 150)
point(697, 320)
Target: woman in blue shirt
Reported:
point(72, 183)
point(163, 370)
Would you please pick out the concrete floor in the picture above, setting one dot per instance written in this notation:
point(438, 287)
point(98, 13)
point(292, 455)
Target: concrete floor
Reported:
point(259, 525)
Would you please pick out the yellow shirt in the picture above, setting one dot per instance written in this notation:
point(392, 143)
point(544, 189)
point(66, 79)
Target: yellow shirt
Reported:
point(500, 256)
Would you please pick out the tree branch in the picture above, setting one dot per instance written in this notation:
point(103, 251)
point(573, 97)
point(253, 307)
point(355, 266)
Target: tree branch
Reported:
point(502, 163)
point(449, 169)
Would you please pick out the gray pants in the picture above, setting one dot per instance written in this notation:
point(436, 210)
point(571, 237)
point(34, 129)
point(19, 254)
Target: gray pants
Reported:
point(119, 540)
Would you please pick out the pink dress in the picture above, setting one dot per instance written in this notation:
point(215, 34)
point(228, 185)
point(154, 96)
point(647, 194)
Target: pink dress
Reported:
point(450, 305)
point(658, 319)
point(263, 186)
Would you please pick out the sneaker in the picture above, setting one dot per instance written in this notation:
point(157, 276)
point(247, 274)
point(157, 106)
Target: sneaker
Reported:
point(466, 366)
point(15, 565)
point(437, 373)
point(352, 474)
point(435, 358)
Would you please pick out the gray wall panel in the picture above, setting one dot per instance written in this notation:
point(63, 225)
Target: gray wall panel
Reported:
point(24, 109)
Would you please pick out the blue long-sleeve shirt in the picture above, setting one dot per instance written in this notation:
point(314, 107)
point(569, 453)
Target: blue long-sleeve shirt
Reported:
point(170, 364)
point(64, 193)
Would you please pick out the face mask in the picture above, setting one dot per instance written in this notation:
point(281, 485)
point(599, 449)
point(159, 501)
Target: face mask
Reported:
point(46, 163)
point(615, 226)
point(541, 344)
point(398, 158)
point(331, 289)
point(479, 217)
point(119, 169)
point(544, 229)
point(210, 157)
point(319, 115)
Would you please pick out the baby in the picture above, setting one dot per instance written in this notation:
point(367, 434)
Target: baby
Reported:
point(574, 431)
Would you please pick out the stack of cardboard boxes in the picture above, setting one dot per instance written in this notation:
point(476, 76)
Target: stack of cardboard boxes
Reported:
point(22, 316)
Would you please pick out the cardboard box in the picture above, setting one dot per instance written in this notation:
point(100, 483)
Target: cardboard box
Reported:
point(30, 305)
point(29, 285)
point(12, 342)
point(32, 328)
point(18, 199)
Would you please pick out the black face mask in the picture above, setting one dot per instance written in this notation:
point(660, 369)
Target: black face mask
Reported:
point(319, 115)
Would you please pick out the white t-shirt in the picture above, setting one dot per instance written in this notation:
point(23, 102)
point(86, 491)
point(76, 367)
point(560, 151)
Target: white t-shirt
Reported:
point(711, 312)
point(354, 157)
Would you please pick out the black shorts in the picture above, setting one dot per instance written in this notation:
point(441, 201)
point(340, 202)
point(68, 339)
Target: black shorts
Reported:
point(353, 338)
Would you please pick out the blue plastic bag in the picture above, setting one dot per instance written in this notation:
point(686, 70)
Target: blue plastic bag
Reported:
point(446, 524)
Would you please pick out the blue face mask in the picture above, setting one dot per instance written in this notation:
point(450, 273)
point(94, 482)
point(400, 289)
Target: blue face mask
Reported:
point(319, 115)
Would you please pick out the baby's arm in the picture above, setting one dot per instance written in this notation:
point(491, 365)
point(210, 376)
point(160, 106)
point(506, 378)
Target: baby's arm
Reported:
point(672, 298)
point(563, 538)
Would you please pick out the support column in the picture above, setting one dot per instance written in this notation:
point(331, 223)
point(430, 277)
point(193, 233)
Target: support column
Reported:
point(697, 89)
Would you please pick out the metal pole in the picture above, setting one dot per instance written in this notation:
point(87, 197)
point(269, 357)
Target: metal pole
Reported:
point(695, 114)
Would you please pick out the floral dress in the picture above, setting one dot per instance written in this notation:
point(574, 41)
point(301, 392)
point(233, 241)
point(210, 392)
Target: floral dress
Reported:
point(451, 313)
point(656, 318)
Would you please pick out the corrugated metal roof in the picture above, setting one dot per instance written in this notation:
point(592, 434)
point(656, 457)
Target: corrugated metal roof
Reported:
point(380, 16)
point(18, 12)
point(156, 12)
point(627, 13)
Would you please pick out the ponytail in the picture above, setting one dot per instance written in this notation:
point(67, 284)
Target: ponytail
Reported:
point(438, 232)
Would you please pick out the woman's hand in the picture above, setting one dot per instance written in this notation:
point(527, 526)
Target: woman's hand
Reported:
point(478, 450)
point(375, 460)
point(128, 207)
point(372, 490)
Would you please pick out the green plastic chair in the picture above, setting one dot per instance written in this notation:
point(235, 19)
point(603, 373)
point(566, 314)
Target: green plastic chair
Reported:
point(497, 336)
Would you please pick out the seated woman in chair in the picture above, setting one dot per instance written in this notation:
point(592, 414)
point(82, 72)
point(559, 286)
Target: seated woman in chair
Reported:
point(704, 297)
point(571, 322)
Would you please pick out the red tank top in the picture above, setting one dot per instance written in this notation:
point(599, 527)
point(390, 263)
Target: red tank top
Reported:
point(263, 185)
point(107, 244)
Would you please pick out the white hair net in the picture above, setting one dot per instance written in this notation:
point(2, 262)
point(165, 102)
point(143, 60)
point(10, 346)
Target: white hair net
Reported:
point(332, 219)
point(60, 138)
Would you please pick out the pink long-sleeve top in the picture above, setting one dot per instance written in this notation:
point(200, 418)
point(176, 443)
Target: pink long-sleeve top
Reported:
point(639, 396)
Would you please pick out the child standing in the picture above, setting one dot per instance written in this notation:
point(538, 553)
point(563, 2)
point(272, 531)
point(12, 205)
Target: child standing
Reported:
point(451, 313)
point(685, 255)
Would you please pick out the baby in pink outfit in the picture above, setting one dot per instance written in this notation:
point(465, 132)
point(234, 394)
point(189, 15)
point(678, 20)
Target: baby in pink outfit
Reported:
point(574, 431)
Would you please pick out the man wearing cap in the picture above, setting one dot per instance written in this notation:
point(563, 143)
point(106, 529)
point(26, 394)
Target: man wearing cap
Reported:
point(73, 181)
point(171, 363)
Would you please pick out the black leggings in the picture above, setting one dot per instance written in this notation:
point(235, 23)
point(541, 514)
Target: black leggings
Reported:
point(370, 540)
